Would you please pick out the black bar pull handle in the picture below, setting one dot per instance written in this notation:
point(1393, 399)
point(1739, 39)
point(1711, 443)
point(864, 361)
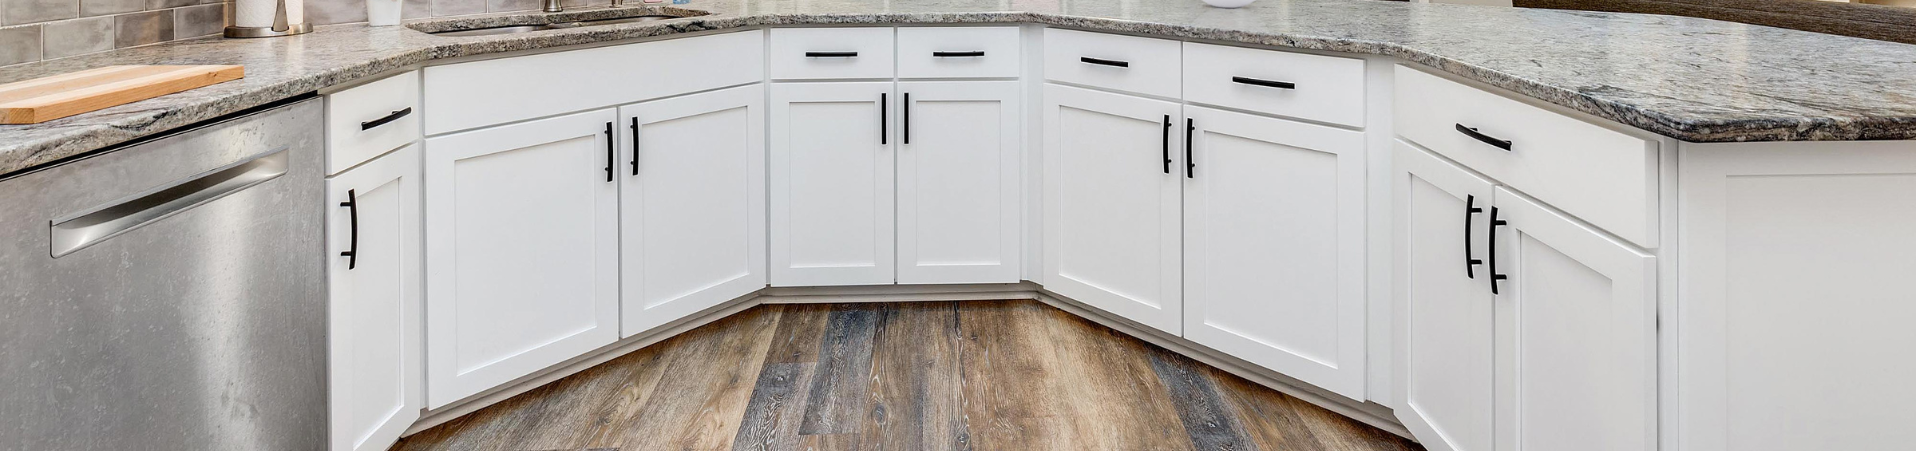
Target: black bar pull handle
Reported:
point(1265, 83)
point(1494, 275)
point(1470, 262)
point(1190, 166)
point(906, 110)
point(1486, 139)
point(352, 212)
point(635, 146)
point(393, 116)
point(1166, 141)
point(831, 54)
point(611, 151)
point(970, 54)
point(881, 117)
point(1103, 62)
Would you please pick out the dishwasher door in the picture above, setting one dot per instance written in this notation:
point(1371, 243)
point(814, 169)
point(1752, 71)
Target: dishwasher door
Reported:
point(169, 295)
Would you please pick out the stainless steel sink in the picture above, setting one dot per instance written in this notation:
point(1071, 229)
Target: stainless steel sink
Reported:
point(511, 29)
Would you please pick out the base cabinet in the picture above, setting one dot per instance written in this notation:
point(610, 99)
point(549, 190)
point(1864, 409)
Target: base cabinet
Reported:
point(522, 250)
point(1564, 357)
point(691, 205)
point(1273, 245)
point(958, 187)
point(1112, 204)
point(374, 349)
point(831, 180)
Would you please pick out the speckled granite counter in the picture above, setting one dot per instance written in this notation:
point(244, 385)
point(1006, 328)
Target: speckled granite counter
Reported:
point(1691, 79)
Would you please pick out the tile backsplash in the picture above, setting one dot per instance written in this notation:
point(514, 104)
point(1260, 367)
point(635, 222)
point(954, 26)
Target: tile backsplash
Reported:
point(34, 30)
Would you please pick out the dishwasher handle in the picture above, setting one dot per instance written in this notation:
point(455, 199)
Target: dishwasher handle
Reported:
point(78, 230)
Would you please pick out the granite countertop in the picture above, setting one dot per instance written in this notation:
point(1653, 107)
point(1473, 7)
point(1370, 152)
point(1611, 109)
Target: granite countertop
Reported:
point(1691, 79)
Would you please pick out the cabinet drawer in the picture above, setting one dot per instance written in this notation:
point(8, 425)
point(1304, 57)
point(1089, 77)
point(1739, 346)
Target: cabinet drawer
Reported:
point(957, 52)
point(828, 53)
point(1603, 176)
point(481, 93)
point(369, 120)
point(1125, 63)
point(1313, 87)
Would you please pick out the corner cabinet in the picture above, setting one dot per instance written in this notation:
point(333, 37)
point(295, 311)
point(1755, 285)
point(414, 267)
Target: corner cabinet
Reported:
point(373, 346)
point(1113, 208)
point(1563, 357)
point(692, 204)
point(831, 179)
point(1274, 244)
point(958, 187)
point(522, 244)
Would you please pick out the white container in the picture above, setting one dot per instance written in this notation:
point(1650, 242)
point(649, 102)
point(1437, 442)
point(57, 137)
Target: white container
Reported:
point(382, 13)
point(1228, 3)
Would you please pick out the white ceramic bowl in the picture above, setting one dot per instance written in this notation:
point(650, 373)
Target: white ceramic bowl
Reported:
point(1228, 3)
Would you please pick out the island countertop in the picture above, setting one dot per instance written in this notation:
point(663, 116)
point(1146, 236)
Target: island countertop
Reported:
point(1692, 79)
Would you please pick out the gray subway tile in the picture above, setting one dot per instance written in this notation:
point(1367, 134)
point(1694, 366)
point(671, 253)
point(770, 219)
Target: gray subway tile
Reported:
point(33, 11)
point(513, 5)
point(164, 4)
point(198, 20)
point(142, 28)
point(414, 9)
point(457, 7)
point(78, 37)
point(327, 12)
point(19, 44)
point(91, 8)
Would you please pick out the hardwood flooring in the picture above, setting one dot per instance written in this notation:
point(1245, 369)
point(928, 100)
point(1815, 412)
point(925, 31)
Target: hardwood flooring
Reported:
point(996, 375)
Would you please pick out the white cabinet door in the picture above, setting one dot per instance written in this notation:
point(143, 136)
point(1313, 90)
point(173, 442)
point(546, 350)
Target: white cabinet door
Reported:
point(521, 250)
point(1444, 308)
point(958, 182)
point(1113, 205)
point(692, 206)
point(1796, 296)
point(831, 184)
point(373, 343)
point(1576, 335)
point(1274, 245)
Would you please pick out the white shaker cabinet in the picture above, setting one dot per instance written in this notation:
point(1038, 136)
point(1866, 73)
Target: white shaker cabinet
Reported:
point(1113, 205)
point(1797, 296)
point(1444, 308)
point(958, 187)
point(522, 250)
point(1274, 245)
point(831, 182)
point(692, 204)
point(373, 277)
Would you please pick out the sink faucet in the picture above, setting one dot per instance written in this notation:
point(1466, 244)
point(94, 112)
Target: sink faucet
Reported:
point(553, 6)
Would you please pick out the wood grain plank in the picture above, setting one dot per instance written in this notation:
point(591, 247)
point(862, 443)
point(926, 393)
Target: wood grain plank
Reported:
point(1206, 417)
point(106, 90)
point(777, 408)
point(1115, 398)
point(836, 400)
point(801, 327)
point(1268, 416)
point(916, 401)
point(701, 398)
point(1006, 365)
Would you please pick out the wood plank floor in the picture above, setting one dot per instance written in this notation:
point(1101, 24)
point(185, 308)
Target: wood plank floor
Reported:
point(994, 375)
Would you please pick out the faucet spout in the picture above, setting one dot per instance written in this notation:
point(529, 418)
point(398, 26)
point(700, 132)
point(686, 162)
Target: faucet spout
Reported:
point(553, 6)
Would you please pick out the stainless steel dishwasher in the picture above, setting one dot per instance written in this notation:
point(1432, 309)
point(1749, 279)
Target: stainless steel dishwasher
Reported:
point(169, 295)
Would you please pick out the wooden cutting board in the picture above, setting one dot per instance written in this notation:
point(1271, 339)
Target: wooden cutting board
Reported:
point(48, 98)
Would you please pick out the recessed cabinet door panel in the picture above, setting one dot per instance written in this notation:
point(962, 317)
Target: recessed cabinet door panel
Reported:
point(1797, 297)
point(1273, 248)
point(374, 339)
point(692, 206)
point(958, 182)
point(1113, 221)
point(522, 250)
point(1576, 333)
point(1444, 303)
point(831, 184)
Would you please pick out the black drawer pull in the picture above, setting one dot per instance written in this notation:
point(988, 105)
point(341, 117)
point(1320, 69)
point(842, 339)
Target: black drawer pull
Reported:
point(352, 250)
point(1190, 166)
point(1265, 83)
point(1103, 62)
point(1474, 134)
point(611, 152)
point(1470, 262)
point(635, 145)
point(970, 54)
point(1494, 224)
point(831, 54)
point(1166, 141)
point(393, 116)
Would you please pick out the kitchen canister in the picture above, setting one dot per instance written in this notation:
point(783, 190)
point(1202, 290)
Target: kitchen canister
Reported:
point(382, 13)
point(1228, 3)
point(268, 18)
